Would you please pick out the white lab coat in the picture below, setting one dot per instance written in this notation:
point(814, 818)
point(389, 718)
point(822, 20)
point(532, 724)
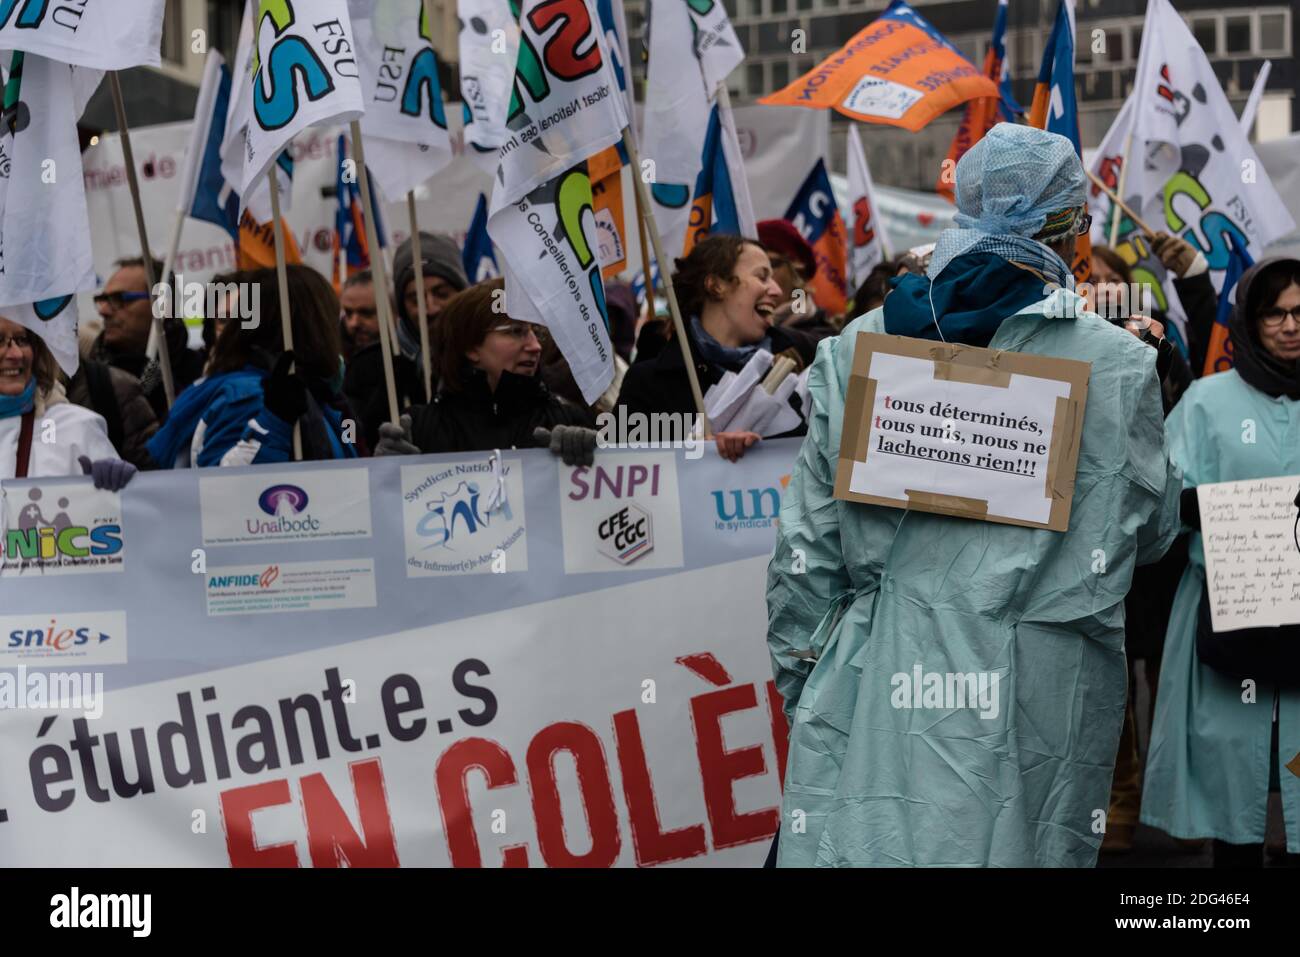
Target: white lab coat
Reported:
point(62, 433)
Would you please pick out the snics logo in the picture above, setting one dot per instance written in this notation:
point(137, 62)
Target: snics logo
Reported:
point(57, 538)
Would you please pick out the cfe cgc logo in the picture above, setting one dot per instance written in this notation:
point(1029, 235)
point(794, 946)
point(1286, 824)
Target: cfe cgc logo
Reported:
point(623, 513)
point(68, 529)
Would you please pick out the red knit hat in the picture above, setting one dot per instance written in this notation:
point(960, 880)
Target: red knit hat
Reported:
point(780, 237)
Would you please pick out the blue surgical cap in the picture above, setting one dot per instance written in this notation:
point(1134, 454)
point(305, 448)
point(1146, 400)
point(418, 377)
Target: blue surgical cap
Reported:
point(1012, 179)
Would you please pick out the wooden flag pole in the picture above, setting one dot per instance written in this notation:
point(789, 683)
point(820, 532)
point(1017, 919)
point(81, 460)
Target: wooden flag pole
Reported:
point(128, 159)
point(642, 231)
point(426, 358)
point(1123, 178)
point(665, 274)
point(377, 269)
point(1120, 205)
point(282, 280)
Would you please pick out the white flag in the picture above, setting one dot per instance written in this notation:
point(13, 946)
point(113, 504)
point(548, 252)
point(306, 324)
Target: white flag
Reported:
point(690, 54)
point(303, 72)
point(566, 108)
point(489, 48)
point(405, 123)
point(867, 241)
point(45, 253)
point(1192, 168)
point(104, 34)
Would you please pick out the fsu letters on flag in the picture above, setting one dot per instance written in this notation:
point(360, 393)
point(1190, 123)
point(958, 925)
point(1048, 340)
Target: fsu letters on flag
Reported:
point(898, 70)
point(818, 220)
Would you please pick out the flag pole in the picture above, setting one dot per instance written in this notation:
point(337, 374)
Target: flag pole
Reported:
point(377, 267)
point(1120, 204)
point(282, 280)
point(1123, 178)
point(168, 265)
point(665, 274)
point(128, 158)
point(426, 358)
point(642, 231)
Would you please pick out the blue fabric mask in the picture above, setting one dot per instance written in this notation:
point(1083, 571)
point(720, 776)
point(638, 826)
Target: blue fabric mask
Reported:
point(11, 405)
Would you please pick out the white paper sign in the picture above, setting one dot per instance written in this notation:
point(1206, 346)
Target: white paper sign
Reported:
point(1252, 561)
point(960, 438)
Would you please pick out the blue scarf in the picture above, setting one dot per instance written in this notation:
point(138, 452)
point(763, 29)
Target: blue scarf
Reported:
point(711, 350)
point(21, 404)
point(183, 419)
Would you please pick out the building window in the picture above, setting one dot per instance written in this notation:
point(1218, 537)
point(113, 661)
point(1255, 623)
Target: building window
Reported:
point(173, 38)
point(779, 6)
point(754, 8)
point(1206, 32)
point(1272, 33)
point(730, 7)
point(803, 4)
point(1236, 34)
point(754, 78)
point(780, 74)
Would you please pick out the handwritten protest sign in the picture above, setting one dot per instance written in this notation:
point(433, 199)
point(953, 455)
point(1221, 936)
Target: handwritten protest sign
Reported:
point(958, 430)
point(1252, 561)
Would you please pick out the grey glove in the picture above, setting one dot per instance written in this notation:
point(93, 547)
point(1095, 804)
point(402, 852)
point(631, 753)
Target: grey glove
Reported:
point(395, 439)
point(110, 474)
point(572, 443)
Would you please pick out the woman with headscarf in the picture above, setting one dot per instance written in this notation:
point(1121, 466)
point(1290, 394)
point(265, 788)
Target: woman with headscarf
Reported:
point(1215, 749)
point(859, 594)
point(42, 435)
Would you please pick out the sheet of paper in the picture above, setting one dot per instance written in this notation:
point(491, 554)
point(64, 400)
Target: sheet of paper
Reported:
point(1252, 561)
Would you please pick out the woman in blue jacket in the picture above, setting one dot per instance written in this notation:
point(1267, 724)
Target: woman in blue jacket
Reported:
point(1216, 743)
point(244, 409)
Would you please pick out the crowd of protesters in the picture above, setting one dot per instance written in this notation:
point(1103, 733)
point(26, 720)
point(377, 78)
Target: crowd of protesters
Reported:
point(495, 382)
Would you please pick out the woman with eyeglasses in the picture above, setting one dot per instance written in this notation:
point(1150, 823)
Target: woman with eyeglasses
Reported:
point(490, 393)
point(1228, 708)
point(42, 434)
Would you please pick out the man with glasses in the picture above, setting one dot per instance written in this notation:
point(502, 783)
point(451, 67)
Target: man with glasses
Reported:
point(126, 307)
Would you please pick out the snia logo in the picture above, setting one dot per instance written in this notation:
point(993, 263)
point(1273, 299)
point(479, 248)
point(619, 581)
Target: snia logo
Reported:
point(282, 500)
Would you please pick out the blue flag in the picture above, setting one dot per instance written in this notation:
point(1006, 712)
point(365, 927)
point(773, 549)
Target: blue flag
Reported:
point(1218, 356)
point(714, 207)
point(478, 258)
point(215, 200)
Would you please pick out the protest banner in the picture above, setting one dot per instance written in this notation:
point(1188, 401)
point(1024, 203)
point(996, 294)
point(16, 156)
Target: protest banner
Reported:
point(897, 70)
point(1252, 555)
point(368, 663)
point(958, 430)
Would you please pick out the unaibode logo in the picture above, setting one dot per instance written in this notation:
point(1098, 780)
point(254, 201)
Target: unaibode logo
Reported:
point(282, 502)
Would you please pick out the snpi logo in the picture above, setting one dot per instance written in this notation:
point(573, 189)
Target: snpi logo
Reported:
point(626, 535)
point(282, 500)
point(290, 58)
point(460, 509)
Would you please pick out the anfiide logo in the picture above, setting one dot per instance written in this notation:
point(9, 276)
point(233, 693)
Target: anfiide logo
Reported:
point(291, 57)
point(424, 78)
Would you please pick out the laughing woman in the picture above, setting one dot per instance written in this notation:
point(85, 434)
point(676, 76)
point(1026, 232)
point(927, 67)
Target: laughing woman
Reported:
point(1215, 749)
point(42, 435)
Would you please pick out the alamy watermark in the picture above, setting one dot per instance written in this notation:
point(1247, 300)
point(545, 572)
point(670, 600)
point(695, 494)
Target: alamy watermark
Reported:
point(213, 300)
point(52, 691)
point(947, 690)
point(640, 430)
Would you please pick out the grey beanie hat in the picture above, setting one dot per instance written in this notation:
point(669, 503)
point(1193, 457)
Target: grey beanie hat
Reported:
point(440, 257)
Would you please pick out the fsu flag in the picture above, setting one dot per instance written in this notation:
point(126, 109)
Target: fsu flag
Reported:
point(818, 220)
point(103, 34)
point(897, 70)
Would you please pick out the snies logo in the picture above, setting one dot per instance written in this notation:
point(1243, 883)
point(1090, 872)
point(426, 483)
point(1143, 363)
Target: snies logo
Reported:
point(290, 58)
point(53, 639)
point(283, 500)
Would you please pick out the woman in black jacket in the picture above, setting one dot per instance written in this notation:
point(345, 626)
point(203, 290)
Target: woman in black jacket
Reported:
point(490, 394)
point(727, 297)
